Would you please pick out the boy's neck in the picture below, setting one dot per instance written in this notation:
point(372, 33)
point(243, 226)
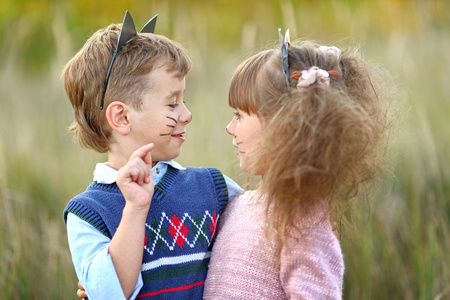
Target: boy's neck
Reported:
point(118, 160)
point(115, 162)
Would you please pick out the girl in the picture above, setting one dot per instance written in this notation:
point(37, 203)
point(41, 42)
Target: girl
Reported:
point(314, 133)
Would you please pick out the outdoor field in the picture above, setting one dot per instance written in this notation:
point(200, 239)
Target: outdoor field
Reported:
point(398, 246)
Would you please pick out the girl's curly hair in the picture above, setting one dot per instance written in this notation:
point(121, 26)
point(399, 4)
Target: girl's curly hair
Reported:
point(322, 144)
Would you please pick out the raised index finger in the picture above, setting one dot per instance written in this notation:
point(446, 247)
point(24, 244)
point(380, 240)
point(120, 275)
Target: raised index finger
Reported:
point(143, 153)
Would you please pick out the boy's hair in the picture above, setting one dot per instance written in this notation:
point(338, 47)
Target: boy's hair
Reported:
point(322, 142)
point(84, 78)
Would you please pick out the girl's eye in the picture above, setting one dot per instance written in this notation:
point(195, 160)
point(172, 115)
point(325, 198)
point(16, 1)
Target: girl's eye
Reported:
point(237, 116)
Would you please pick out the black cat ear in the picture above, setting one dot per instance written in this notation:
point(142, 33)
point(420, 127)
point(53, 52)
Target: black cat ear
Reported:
point(150, 26)
point(127, 32)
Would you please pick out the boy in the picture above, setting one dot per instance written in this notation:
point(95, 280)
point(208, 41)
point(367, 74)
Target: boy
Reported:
point(145, 230)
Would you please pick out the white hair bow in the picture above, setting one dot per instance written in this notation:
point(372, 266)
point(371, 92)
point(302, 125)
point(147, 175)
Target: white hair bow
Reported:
point(335, 51)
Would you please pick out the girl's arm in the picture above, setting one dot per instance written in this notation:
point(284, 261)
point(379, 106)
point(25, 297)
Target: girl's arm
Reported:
point(313, 268)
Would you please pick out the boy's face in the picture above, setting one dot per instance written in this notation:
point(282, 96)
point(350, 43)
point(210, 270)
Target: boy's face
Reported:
point(163, 116)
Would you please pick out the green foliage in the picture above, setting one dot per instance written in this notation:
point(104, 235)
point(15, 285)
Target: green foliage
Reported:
point(400, 247)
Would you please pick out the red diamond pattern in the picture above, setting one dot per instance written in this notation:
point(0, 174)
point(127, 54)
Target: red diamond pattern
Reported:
point(172, 231)
point(178, 231)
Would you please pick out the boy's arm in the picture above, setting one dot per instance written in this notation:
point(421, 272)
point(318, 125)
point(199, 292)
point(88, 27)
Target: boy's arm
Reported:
point(233, 188)
point(135, 181)
point(92, 261)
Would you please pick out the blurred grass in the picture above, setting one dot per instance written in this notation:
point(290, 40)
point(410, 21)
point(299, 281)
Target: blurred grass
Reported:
point(401, 247)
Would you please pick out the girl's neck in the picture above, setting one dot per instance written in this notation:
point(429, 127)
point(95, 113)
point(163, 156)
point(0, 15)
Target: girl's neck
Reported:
point(259, 190)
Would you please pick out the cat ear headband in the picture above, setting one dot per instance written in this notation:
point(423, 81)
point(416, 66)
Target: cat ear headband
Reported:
point(127, 31)
point(284, 44)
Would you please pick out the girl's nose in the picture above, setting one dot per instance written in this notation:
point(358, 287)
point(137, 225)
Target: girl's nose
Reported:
point(230, 128)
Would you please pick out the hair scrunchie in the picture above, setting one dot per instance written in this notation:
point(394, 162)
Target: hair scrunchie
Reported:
point(312, 75)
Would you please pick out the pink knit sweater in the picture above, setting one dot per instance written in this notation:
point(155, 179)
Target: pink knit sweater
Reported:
point(244, 266)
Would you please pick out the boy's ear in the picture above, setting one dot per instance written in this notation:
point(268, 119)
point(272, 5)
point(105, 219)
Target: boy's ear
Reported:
point(117, 116)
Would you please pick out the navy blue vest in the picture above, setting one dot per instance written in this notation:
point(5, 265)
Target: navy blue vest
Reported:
point(180, 228)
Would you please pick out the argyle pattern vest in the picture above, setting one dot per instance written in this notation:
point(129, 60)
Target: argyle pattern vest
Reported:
point(180, 228)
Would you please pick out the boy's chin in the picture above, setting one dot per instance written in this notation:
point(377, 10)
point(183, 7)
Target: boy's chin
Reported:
point(171, 156)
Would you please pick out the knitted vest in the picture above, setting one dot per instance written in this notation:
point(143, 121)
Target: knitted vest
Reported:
point(180, 228)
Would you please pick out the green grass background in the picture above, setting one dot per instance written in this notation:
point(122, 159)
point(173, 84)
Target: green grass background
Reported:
point(401, 243)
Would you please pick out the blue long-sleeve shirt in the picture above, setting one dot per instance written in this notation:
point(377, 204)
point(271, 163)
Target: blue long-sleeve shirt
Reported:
point(89, 247)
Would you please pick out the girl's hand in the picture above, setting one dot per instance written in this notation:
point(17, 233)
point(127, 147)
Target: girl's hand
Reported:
point(135, 179)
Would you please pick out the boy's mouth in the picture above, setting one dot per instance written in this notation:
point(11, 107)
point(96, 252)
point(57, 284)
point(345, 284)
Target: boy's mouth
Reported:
point(179, 136)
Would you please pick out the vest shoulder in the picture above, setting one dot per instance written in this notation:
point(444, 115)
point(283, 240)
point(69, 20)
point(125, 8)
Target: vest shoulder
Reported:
point(209, 170)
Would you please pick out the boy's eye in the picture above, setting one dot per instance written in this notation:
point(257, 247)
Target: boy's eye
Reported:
point(237, 116)
point(173, 105)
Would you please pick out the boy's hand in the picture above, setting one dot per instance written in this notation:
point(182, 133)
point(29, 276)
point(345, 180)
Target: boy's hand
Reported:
point(81, 293)
point(135, 179)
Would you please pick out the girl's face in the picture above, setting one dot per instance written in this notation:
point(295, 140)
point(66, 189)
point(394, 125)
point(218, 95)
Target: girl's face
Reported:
point(247, 133)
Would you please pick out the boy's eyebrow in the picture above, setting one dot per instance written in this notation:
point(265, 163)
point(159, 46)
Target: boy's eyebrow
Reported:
point(174, 93)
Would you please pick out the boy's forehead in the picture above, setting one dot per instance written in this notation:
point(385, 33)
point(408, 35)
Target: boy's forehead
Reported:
point(165, 71)
point(167, 81)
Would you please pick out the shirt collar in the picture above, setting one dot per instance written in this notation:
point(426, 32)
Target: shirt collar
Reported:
point(107, 175)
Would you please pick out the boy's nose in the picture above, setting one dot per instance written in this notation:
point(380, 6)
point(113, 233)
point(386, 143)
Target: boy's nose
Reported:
point(186, 116)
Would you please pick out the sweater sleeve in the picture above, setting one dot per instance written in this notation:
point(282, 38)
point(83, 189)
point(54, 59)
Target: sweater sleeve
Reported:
point(92, 262)
point(313, 266)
